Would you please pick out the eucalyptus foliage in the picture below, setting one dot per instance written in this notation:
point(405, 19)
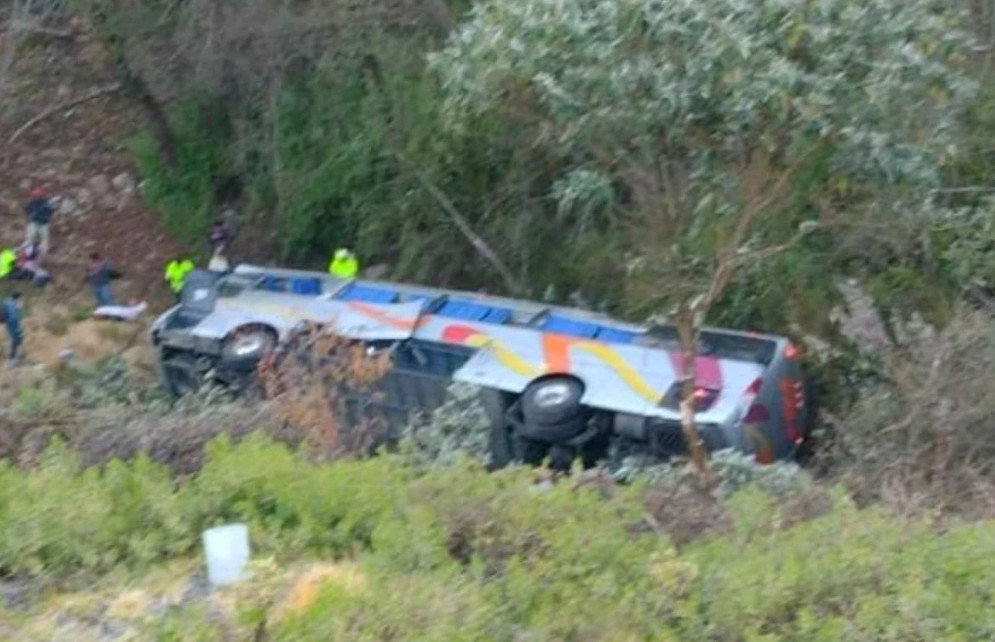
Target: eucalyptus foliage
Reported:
point(698, 107)
point(457, 429)
point(733, 471)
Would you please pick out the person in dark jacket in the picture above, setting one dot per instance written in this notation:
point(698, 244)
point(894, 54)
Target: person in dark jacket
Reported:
point(219, 237)
point(11, 312)
point(40, 211)
point(99, 273)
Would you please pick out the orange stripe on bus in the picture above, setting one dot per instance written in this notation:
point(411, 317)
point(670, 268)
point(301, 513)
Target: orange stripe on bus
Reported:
point(556, 354)
point(383, 316)
point(556, 350)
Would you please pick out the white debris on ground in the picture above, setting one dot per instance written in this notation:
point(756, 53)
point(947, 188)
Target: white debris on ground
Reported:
point(120, 312)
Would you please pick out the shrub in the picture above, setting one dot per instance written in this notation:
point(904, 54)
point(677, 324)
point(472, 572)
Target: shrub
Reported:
point(184, 195)
point(322, 385)
point(922, 434)
point(42, 404)
point(733, 470)
point(58, 519)
point(458, 428)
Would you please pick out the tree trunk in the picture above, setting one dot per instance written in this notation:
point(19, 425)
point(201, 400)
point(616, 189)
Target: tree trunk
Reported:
point(133, 84)
point(156, 115)
point(687, 331)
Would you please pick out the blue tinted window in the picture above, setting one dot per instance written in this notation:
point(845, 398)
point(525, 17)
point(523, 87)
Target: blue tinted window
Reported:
point(615, 335)
point(573, 327)
point(306, 286)
point(357, 292)
point(472, 311)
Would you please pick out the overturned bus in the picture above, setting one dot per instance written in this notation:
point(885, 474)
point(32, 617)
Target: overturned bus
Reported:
point(556, 382)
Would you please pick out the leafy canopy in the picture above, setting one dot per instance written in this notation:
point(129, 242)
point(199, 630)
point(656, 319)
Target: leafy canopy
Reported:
point(696, 109)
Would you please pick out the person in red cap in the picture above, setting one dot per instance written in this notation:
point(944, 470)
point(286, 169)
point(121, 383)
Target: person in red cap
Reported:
point(39, 210)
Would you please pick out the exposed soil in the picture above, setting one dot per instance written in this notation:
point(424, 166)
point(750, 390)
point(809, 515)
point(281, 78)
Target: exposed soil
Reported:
point(76, 154)
point(79, 155)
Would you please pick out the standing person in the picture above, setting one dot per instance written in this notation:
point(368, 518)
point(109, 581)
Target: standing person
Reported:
point(176, 274)
point(220, 237)
point(344, 264)
point(99, 273)
point(39, 210)
point(11, 312)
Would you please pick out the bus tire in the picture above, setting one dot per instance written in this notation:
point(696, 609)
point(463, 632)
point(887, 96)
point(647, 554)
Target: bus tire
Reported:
point(552, 400)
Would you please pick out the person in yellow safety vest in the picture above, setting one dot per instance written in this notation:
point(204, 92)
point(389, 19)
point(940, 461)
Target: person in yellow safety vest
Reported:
point(344, 264)
point(176, 274)
point(8, 261)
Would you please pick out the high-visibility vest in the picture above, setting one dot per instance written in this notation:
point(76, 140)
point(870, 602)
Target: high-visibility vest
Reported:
point(8, 259)
point(344, 267)
point(176, 273)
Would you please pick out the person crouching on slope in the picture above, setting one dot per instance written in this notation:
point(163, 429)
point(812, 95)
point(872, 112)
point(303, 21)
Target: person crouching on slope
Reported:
point(99, 273)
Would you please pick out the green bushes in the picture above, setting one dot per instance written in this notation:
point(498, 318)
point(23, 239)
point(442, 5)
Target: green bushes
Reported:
point(454, 553)
point(184, 195)
point(57, 521)
point(853, 575)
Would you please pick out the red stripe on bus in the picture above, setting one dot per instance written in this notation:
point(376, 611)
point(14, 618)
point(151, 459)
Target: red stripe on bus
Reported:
point(708, 371)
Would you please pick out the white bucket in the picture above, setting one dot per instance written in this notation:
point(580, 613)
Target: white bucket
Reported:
point(227, 551)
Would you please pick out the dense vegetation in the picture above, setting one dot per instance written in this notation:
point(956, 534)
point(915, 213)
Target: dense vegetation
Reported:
point(320, 135)
point(449, 553)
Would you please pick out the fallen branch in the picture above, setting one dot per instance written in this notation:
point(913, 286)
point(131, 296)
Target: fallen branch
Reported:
point(464, 226)
point(975, 189)
point(96, 93)
point(39, 30)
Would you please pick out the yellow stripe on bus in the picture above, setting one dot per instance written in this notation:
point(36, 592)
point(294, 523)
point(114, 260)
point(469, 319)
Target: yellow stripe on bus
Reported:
point(622, 368)
point(508, 359)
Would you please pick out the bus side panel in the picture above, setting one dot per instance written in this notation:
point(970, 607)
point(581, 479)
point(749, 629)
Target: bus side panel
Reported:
point(418, 383)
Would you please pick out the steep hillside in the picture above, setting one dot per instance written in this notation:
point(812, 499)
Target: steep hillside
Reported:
point(79, 154)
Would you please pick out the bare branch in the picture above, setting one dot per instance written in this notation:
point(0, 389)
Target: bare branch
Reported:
point(726, 260)
point(758, 256)
point(466, 229)
point(96, 93)
point(25, 27)
point(974, 189)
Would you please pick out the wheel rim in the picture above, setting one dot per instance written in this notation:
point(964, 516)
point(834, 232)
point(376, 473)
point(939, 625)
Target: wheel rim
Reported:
point(249, 345)
point(552, 395)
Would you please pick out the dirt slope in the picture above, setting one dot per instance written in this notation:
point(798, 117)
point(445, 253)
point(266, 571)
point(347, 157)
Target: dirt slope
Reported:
point(78, 154)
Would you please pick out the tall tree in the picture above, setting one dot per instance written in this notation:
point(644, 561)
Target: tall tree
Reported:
point(700, 113)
